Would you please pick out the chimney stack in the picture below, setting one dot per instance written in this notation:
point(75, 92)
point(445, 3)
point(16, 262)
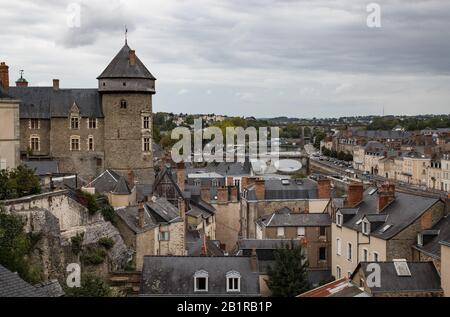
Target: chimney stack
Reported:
point(131, 179)
point(4, 77)
point(141, 215)
point(355, 194)
point(260, 189)
point(233, 194)
point(323, 188)
point(386, 195)
point(55, 84)
point(205, 194)
point(222, 195)
point(182, 207)
point(181, 176)
point(132, 57)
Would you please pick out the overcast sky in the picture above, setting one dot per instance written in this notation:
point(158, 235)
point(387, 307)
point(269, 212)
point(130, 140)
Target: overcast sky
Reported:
point(299, 58)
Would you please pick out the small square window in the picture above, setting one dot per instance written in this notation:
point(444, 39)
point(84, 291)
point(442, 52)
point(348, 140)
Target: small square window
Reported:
point(280, 232)
point(123, 104)
point(201, 284)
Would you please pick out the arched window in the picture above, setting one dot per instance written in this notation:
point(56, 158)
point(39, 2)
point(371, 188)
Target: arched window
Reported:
point(123, 104)
point(233, 281)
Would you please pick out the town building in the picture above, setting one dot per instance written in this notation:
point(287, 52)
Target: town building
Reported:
point(445, 266)
point(9, 121)
point(153, 228)
point(379, 224)
point(90, 130)
point(261, 197)
point(187, 276)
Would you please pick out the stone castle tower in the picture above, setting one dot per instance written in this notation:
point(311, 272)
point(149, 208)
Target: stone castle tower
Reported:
point(126, 87)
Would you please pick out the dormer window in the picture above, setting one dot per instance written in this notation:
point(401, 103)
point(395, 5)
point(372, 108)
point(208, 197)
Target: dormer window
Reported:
point(74, 123)
point(123, 104)
point(339, 219)
point(215, 182)
point(201, 281)
point(366, 227)
point(233, 281)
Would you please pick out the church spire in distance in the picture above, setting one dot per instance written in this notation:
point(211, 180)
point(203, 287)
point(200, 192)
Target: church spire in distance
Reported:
point(126, 35)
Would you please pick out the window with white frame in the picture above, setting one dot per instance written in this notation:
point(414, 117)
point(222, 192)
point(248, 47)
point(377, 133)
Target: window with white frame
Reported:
point(197, 182)
point(280, 232)
point(92, 123)
point(365, 255)
point(201, 281)
point(366, 227)
point(339, 219)
point(35, 124)
point(164, 236)
point(90, 142)
point(146, 144)
point(233, 281)
point(215, 182)
point(349, 251)
point(74, 123)
point(338, 272)
point(35, 143)
point(146, 122)
point(376, 257)
point(338, 246)
point(75, 143)
point(301, 231)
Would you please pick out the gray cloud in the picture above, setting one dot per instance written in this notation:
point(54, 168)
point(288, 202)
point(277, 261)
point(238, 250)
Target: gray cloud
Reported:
point(259, 57)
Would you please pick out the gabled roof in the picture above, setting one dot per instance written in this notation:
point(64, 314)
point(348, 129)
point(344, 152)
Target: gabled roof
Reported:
point(162, 208)
point(130, 216)
point(120, 67)
point(11, 285)
point(441, 232)
point(108, 182)
point(423, 277)
point(403, 211)
point(46, 102)
point(121, 187)
point(174, 275)
point(261, 244)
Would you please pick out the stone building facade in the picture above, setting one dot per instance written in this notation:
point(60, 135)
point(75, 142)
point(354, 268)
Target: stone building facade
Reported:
point(90, 130)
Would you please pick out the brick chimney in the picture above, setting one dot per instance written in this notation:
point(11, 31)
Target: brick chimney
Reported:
point(355, 194)
point(132, 57)
point(222, 195)
point(260, 189)
point(233, 194)
point(244, 183)
point(131, 179)
point(181, 176)
point(254, 261)
point(230, 181)
point(141, 215)
point(205, 194)
point(55, 84)
point(182, 207)
point(323, 188)
point(4, 77)
point(386, 195)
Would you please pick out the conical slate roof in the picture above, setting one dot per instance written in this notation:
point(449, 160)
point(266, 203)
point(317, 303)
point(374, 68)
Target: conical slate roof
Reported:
point(120, 67)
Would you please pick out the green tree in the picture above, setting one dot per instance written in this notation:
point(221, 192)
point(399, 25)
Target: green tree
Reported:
point(288, 276)
point(15, 246)
point(318, 136)
point(18, 182)
point(91, 286)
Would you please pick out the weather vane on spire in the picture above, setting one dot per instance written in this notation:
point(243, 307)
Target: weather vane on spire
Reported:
point(126, 35)
point(21, 73)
